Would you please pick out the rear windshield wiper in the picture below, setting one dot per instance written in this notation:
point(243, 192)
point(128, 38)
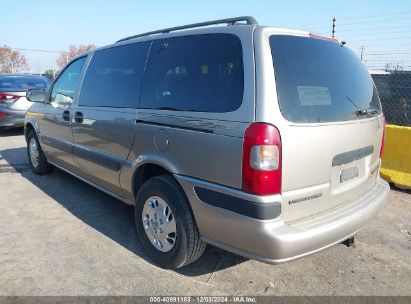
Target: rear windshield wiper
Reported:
point(353, 103)
point(362, 112)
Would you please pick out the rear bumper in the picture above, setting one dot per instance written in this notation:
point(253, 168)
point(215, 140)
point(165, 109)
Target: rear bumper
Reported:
point(14, 118)
point(274, 241)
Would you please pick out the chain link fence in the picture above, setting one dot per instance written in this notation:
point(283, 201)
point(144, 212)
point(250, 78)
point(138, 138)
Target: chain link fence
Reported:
point(394, 88)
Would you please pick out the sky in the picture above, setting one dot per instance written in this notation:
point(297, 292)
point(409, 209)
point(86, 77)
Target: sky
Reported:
point(382, 28)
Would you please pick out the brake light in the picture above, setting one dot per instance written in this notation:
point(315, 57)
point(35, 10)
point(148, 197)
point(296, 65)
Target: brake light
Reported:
point(315, 36)
point(3, 115)
point(8, 97)
point(383, 136)
point(262, 159)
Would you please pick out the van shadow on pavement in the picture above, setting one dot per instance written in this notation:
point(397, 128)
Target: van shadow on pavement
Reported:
point(104, 213)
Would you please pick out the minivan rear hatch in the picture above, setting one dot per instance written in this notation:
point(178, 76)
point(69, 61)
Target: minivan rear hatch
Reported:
point(332, 139)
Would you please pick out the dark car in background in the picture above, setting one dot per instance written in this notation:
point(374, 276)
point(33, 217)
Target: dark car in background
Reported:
point(13, 102)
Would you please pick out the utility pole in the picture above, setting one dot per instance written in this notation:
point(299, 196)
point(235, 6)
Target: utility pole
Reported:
point(333, 31)
point(362, 52)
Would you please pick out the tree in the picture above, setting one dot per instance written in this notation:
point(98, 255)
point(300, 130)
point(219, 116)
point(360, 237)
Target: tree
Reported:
point(12, 61)
point(50, 74)
point(72, 52)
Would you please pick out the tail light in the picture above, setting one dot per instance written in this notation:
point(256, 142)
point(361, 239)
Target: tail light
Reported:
point(8, 97)
point(315, 36)
point(3, 115)
point(262, 159)
point(383, 136)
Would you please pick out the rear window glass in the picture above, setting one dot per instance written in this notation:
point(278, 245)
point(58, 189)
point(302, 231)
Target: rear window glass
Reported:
point(113, 77)
point(21, 83)
point(321, 81)
point(202, 73)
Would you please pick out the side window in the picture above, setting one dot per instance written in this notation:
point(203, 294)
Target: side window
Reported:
point(64, 89)
point(113, 77)
point(202, 73)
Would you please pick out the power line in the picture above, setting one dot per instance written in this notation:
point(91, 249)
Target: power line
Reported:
point(373, 16)
point(377, 39)
point(376, 33)
point(384, 66)
point(43, 51)
point(359, 17)
point(379, 45)
point(37, 50)
point(387, 54)
point(344, 25)
point(385, 58)
point(391, 60)
point(373, 21)
point(376, 29)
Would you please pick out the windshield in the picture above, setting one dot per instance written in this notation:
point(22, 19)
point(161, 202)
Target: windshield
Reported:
point(22, 83)
point(321, 81)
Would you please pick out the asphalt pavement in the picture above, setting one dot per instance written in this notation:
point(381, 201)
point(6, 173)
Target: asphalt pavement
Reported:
point(60, 236)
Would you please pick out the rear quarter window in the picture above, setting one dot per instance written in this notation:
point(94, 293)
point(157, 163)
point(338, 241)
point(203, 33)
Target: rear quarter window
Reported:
point(321, 81)
point(202, 73)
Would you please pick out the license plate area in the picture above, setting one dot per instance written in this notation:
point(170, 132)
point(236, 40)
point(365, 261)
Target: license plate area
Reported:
point(349, 174)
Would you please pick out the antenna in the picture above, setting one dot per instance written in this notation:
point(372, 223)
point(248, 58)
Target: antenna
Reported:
point(333, 31)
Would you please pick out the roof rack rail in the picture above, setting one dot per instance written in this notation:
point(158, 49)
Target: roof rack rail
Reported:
point(230, 21)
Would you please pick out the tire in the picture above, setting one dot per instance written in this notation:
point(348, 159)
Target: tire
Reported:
point(39, 165)
point(187, 246)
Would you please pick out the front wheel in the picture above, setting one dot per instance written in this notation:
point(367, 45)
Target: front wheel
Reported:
point(37, 159)
point(165, 225)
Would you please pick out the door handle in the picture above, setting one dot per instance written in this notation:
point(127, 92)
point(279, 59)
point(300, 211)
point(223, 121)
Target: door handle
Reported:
point(78, 117)
point(66, 115)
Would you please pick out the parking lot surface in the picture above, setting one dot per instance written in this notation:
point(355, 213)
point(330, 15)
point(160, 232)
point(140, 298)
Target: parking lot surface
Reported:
point(60, 236)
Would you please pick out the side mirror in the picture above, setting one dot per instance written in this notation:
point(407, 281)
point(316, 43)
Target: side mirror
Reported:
point(36, 95)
